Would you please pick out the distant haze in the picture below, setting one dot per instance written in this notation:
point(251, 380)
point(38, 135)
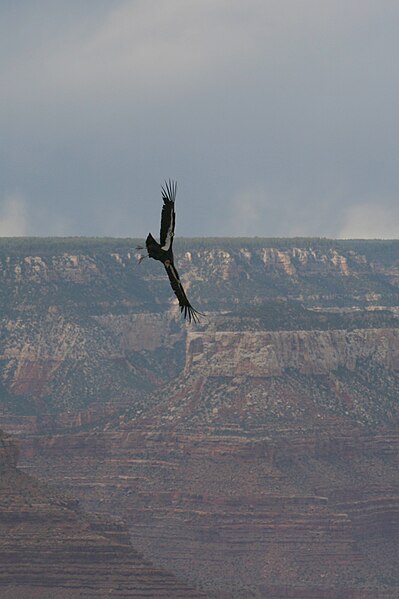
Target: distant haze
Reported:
point(276, 118)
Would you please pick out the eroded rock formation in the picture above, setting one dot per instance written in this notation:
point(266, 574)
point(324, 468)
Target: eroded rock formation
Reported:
point(256, 454)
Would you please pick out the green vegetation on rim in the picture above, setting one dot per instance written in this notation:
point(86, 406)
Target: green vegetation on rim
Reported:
point(381, 249)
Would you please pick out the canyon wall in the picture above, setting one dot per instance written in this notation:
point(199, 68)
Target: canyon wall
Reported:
point(254, 454)
point(300, 514)
point(83, 326)
point(50, 548)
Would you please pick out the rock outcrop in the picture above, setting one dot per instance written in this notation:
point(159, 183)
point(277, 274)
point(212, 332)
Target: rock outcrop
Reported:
point(266, 354)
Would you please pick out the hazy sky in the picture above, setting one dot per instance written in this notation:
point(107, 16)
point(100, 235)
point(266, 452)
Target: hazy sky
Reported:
point(277, 117)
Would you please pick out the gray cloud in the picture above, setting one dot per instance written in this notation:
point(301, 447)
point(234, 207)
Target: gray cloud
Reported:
point(276, 118)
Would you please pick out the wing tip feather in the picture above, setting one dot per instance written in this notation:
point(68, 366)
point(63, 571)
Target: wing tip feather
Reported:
point(191, 314)
point(169, 190)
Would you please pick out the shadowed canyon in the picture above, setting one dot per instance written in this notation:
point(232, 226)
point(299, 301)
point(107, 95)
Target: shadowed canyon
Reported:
point(254, 455)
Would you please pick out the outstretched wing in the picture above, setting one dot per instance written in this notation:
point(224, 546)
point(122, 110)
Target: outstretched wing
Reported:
point(168, 214)
point(185, 306)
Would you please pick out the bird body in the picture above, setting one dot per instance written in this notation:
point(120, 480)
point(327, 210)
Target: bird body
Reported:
point(163, 251)
point(156, 251)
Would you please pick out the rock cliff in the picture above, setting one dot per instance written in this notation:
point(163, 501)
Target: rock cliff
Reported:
point(255, 454)
point(266, 354)
point(84, 327)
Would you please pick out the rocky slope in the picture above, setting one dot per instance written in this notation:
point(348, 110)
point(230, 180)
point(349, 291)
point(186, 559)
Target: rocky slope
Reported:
point(267, 468)
point(255, 454)
point(302, 514)
point(50, 548)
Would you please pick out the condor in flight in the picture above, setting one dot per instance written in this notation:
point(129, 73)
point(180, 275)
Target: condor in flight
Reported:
point(163, 251)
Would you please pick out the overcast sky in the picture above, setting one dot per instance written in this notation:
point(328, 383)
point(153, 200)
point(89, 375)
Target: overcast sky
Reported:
point(276, 117)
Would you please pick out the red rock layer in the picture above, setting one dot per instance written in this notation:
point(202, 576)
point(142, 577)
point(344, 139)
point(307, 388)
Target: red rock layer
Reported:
point(301, 515)
point(50, 548)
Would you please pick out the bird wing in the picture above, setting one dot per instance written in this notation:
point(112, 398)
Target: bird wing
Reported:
point(152, 246)
point(185, 306)
point(168, 215)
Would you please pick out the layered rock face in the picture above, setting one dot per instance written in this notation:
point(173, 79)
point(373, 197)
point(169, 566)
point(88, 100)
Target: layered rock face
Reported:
point(256, 454)
point(266, 354)
point(293, 515)
point(71, 326)
point(263, 481)
point(50, 548)
point(84, 328)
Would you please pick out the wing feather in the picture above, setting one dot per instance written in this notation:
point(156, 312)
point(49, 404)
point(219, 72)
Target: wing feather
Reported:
point(168, 214)
point(185, 306)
